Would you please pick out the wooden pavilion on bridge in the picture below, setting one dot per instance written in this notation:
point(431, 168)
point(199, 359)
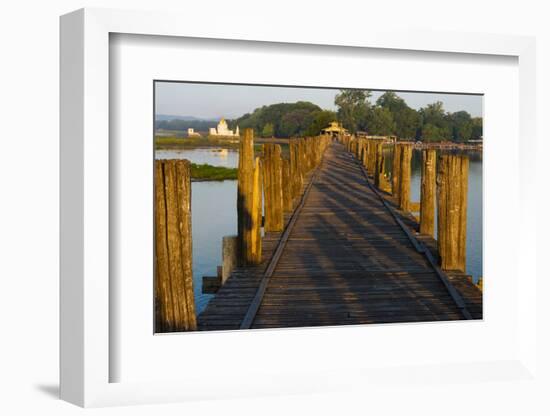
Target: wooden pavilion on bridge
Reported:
point(334, 129)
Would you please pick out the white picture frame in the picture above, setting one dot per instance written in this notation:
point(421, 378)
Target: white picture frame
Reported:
point(86, 356)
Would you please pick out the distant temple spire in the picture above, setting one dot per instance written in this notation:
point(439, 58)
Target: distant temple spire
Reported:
point(223, 130)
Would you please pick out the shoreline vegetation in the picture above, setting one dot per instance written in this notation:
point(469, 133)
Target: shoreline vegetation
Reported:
point(205, 172)
point(187, 143)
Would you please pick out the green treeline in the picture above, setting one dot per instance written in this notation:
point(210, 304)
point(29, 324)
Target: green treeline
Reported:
point(286, 120)
point(389, 115)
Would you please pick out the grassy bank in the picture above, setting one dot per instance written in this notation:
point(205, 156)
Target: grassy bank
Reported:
point(172, 142)
point(167, 142)
point(206, 172)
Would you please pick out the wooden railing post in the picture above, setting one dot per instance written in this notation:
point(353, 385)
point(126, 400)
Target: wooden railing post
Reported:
point(427, 192)
point(256, 234)
point(372, 157)
point(396, 168)
point(175, 304)
point(379, 165)
point(452, 198)
point(230, 253)
point(405, 177)
point(287, 187)
point(248, 195)
point(273, 187)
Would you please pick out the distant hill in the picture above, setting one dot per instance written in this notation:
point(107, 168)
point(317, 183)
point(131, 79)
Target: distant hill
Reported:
point(285, 120)
point(301, 118)
point(182, 123)
point(167, 117)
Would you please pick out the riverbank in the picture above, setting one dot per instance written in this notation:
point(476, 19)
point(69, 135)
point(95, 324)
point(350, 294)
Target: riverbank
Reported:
point(205, 172)
point(162, 142)
point(193, 143)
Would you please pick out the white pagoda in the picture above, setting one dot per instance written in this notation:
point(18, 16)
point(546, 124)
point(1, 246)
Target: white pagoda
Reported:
point(223, 130)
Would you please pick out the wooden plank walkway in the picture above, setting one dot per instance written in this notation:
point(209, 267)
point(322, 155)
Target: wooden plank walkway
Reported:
point(346, 261)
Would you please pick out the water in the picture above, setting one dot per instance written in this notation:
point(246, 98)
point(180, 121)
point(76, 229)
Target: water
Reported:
point(214, 215)
point(228, 158)
point(214, 212)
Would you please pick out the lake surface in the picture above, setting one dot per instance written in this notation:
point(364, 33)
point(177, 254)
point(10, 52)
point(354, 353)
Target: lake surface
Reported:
point(228, 158)
point(214, 212)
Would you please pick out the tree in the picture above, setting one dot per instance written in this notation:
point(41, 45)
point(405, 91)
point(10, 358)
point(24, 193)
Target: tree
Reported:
point(293, 123)
point(352, 107)
point(407, 120)
point(285, 118)
point(462, 126)
point(318, 121)
point(431, 133)
point(477, 128)
point(380, 122)
point(436, 124)
point(433, 114)
point(268, 130)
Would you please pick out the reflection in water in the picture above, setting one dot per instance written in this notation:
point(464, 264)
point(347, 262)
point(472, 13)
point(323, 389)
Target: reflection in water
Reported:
point(214, 212)
point(228, 158)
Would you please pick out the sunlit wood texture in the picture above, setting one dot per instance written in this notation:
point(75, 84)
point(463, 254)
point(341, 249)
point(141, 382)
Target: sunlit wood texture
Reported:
point(371, 156)
point(396, 167)
point(247, 224)
point(296, 176)
point(273, 187)
point(175, 305)
point(256, 225)
point(405, 177)
point(302, 152)
point(452, 198)
point(287, 187)
point(428, 192)
point(365, 155)
point(379, 165)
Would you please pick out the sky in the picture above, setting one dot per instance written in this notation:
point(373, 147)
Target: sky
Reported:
point(214, 101)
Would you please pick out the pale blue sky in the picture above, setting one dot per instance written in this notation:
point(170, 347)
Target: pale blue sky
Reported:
point(232, 101)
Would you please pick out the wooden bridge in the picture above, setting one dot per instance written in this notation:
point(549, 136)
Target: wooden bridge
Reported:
point(347, 255)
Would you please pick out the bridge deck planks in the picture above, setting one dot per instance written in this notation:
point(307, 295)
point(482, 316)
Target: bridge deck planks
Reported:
point(346, 261)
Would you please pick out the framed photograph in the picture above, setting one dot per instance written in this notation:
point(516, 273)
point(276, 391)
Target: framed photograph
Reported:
point(291, 212)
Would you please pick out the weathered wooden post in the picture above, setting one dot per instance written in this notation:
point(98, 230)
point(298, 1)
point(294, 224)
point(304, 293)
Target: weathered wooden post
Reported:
point(173, 247)
point(302, 163)
point(427, 192)
point(379, 163)
point(452, 198)
point(405, 177)
point(310, 153)
point(369, 156)
point(229, 256)
point(256, 254)
point(287, 187)
point(248, 192)
point(365, 159)
point(479, 283)
point(396, 167)
point(295, 172)
point(273, 187)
